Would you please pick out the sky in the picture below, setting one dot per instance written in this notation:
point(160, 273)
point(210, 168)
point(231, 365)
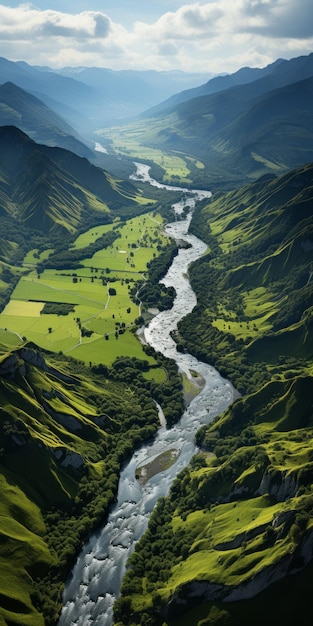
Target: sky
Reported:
point(216, 36)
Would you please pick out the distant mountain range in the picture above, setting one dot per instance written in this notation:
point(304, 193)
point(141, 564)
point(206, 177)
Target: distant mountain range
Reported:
point(278, 74)
point(92, 98)
point(239, 126)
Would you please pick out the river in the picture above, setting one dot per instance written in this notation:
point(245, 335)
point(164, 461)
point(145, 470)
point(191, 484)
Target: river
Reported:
point(96, 578)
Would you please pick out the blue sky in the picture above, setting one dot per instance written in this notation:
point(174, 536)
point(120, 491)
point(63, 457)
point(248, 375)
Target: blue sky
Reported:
point(206, 36)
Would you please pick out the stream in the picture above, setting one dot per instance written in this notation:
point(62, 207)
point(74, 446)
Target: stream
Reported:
point(97, 575)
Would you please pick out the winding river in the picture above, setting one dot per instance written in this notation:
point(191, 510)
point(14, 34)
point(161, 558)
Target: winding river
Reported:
point(96, 578)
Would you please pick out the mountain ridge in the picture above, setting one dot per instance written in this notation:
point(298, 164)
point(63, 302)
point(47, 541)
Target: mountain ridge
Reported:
point(21, 108)
point(278, 73)
point(50, 187)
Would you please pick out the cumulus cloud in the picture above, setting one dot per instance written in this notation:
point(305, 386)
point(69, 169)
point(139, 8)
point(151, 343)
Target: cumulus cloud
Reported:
point(26, 21)
point(211, 35)
point(189, 21)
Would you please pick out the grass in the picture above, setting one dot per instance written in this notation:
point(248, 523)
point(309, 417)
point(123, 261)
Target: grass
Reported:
point(259, 308)
point(127, 141)
point(91, 235)
point(33, 256)
point(21, 545)
point(100, 313)
point(214, 554)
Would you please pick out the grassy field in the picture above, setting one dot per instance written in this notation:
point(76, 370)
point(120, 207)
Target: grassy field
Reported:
point(99, 328)
point(127, 141)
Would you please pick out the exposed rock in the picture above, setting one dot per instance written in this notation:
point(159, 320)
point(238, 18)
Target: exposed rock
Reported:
point(19, 440)
point(289, 564)
point(69, 458)
point(278, 485)
point(70, 422)
point(14, 364)
point(33, 357)
point(9, 366)
point(189, 595)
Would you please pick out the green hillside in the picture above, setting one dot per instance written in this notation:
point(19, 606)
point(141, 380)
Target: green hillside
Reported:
point(237, 526)
point(48, 196)
point(54, 190)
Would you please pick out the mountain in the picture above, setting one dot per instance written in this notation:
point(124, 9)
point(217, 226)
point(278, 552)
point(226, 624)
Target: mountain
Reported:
point(54, 190)
point(233, 542)
point(91, 98)
point(243, 76)
point(242, 132)
point(67, 97)
point(278, 74)
point(22, 109)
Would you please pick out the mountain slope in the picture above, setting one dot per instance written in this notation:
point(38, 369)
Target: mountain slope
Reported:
point(263, 238)
point(277, 74)
point(224, 126)
point(21, 109)
point(52, 189)
point(69, 98)
point(238, 521)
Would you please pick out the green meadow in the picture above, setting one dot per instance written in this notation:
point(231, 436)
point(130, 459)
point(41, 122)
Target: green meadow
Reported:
point(136, 141)
point(98, 325)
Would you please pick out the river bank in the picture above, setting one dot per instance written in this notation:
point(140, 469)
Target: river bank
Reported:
point(96, 578)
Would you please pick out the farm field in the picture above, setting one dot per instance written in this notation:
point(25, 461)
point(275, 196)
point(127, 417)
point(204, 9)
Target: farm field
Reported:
point(127, 141)
point(97, 323)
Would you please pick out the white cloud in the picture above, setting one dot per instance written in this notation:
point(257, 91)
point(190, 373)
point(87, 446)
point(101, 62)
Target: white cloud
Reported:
point(216, 35)
point(25, 21)
point(189, 21)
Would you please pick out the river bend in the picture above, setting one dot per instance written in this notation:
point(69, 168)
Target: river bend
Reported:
point(96, 578)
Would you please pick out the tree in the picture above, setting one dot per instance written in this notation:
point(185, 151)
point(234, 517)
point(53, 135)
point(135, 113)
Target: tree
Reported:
point(122, 609)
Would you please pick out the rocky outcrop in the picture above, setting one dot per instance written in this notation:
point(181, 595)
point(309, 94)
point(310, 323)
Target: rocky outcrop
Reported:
point(11, 366)
point(70, 422)
point(69, 458)
point(14, 363)
point(33, 357)
point(279, 485)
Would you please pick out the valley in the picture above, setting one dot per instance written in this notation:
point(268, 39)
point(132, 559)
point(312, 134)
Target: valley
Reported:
point(97, 293)
point(87, 248)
